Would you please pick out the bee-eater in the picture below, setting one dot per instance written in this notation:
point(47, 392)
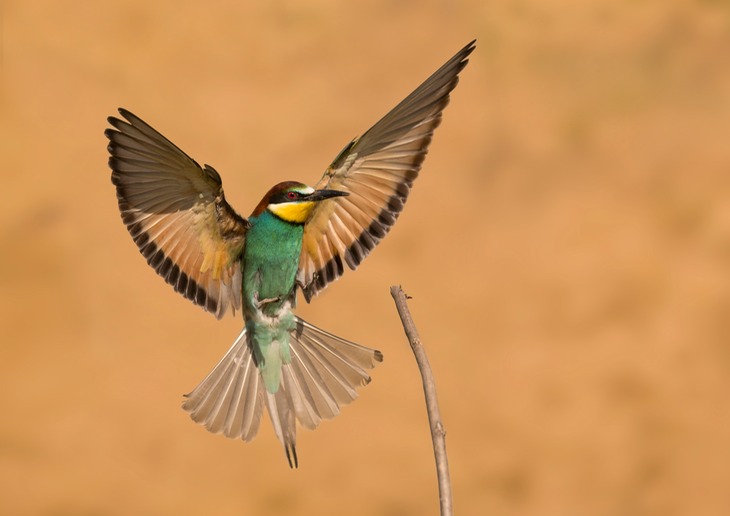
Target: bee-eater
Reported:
point(297, 237)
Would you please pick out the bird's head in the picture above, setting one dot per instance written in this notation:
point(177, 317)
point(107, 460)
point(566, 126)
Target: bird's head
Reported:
point(293, 201)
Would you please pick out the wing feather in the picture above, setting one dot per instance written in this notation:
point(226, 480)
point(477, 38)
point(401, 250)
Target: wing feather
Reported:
point(177, 214)
point(377, 170)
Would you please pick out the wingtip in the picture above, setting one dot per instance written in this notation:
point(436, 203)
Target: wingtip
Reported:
point(465, 52)
point(127, 116)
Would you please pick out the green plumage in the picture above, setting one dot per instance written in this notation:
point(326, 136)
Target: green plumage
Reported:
point(270, 262)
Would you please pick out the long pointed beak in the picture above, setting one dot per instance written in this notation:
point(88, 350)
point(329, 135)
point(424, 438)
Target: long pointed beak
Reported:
point(321, 195)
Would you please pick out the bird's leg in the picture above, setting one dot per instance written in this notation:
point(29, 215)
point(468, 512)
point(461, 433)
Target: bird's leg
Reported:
point(300, 284)
point(261, 302)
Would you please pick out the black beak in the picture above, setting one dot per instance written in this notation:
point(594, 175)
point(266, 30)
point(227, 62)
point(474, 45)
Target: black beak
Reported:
point(321, 195)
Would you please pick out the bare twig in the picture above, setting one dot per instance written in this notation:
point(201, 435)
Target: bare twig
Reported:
point(438, 433)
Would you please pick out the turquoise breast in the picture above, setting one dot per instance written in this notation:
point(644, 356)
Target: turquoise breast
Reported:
point(270, 261)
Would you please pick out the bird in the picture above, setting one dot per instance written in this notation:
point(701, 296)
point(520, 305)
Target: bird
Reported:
point(298, 238)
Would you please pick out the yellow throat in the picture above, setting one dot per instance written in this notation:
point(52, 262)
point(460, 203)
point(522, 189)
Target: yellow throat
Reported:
point(294, 212)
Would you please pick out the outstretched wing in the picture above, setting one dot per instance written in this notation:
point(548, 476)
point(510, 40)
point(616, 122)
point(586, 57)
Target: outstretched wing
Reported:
point(377, 170)
point(177, 215)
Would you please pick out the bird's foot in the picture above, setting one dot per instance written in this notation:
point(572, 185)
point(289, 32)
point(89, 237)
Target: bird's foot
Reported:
point(261, 302)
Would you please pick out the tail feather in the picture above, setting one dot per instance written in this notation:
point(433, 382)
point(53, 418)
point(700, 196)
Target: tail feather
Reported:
point(284, 423)
point(229, 399)
point(322, 376)
point(324, 372)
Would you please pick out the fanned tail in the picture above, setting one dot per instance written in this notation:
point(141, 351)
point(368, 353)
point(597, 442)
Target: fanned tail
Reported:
point(322, 376)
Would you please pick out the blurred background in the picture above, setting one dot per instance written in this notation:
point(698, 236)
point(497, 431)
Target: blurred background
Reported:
point(567, 248)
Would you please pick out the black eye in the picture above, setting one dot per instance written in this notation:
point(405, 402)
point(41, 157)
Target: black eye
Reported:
point(292, 196)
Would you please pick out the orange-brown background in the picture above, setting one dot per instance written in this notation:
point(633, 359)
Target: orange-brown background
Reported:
point(567, 247)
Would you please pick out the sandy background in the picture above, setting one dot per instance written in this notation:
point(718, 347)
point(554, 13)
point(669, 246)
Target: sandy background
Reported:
point(567, 247)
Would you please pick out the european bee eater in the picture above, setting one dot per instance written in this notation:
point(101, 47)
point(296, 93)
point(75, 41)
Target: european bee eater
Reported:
point(297, 238)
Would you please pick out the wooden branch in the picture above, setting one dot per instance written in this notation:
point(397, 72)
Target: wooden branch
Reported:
point(438, 433)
